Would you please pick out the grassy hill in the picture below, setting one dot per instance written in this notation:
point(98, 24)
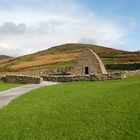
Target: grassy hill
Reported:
point(4, 58)
point(106, 110)
point(65, 56)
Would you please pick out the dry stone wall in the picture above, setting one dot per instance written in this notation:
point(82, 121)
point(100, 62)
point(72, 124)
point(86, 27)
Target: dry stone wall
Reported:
point(95, 77)
point(1, 76)
point(29, 79)
point(133, 73)
point(22, 79)
point(131, 66)
point(40, 72)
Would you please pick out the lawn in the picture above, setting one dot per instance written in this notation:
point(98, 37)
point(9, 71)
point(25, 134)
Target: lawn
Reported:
point(5, 86)
point(108, 110)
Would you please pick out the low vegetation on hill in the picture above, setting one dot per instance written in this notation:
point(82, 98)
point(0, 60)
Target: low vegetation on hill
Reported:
point(2, 57)
point(106, 110)
point(5, 58)
point(66, 55)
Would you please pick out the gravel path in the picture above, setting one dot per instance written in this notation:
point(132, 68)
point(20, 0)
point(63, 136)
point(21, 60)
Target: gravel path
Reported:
point(7, 96)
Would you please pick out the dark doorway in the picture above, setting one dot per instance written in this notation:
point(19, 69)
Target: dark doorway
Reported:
point(86, 70)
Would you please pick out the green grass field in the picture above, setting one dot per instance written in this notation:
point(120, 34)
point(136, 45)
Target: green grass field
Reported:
point(5, 86)
point(108, 110)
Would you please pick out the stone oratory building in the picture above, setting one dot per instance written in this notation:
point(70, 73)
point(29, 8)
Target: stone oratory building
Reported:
point(88, 63)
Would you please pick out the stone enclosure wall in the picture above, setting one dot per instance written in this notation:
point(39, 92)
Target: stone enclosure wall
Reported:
point(65, 78)
point(1, 76)
point(132, 73)
point(131, 66)
point(95, 77)
point(22, 79)
point(40, 72)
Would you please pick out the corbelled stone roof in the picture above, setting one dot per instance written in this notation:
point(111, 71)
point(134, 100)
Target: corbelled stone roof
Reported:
point(91, 60)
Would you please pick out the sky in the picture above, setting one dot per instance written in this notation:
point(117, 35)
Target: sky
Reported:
point(28, 26)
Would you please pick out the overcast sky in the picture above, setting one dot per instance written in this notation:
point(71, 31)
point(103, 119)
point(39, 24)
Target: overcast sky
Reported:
point(28, 26)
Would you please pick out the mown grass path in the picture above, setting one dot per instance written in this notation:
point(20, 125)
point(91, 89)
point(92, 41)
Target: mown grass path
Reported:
point(7, 96)
point(108, 110)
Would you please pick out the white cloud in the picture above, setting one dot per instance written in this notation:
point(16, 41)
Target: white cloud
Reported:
point(32, 29)
point(10, 28)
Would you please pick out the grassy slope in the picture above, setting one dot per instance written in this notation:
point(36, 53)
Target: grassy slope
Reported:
point(64, 55)
point(5, 86)
point(5, 59)
point(75, 111)
point(2, 57)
